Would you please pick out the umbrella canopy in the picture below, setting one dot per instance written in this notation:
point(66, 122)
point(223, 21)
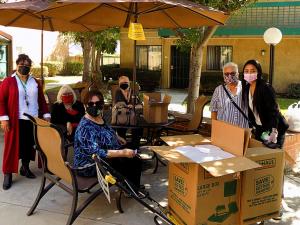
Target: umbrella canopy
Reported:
point(150, 13)
point(23, 14)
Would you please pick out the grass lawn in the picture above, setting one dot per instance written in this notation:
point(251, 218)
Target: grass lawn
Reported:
point(285, 102)
point(51, 81)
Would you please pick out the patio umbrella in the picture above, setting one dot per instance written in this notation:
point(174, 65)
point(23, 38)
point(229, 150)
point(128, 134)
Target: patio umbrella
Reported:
point(150, 13)
point(23, 14)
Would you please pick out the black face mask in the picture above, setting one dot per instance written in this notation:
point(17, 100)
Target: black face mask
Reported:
point(24, 70)
point(124, 86)
point(94, 111)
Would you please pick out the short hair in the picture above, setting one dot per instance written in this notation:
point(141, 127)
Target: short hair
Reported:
point(90, 94)
point(23, 58)
point(233, 65)
point(123, 77)
point(66, 89)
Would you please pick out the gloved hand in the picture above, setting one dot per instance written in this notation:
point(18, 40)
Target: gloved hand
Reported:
point(273, 136)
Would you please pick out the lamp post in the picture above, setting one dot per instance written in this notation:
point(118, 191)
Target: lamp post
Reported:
point(272, 37)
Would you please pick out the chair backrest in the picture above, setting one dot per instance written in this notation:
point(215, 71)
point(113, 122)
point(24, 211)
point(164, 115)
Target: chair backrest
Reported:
point(50, 141)
point(196, 120)
point(167, 99)
point(156, 96)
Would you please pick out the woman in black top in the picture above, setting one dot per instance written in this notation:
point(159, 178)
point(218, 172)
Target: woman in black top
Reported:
point(125, 94)
point(67, 111)
point(264, 112)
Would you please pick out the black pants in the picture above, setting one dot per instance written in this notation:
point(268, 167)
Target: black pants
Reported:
point(26, 141)
point(136, 136)
point(130, 168)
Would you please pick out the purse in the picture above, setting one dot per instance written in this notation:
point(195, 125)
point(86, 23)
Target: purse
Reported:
point(238, 108)
point(123, 115)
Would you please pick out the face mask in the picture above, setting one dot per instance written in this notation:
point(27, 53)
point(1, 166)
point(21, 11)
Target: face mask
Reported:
point(124, 86)
point(231, 79)
point(24, 70)
point(250, 77)
point(94, 111)
point(67, 99)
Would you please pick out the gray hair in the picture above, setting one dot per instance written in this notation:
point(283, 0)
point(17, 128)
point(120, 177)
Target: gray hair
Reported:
point(233, 65)
point(66, 89)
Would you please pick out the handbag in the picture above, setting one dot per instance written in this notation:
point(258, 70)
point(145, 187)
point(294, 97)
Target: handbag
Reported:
point(123, 115)
point(293, 117)
point(238, 108)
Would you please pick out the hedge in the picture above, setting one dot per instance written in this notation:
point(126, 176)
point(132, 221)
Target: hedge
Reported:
point(72, 68)
point(294, 90)
point(36, 71)
point(147, 79)
point(211, 79)
point(54, 67)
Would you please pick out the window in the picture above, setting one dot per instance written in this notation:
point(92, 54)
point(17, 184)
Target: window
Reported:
point(217, 56)
point(148, 57)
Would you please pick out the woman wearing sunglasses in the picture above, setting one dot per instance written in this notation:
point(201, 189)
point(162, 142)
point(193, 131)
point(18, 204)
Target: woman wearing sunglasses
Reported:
point(94, 136)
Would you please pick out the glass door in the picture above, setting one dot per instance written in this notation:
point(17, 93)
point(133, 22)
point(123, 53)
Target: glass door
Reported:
point(3, 61)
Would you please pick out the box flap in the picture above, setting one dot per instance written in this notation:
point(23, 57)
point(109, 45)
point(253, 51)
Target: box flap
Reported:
point(169, 153)
point(223, 167)
point(180, 140)
point(228, 137)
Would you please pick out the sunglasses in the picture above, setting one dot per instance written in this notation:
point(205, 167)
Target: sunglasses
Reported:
point(231, 73)
point(97, 103)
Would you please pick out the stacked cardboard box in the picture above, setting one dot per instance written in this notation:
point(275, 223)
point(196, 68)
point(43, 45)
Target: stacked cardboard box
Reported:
point(234, 191)
point(156, 111)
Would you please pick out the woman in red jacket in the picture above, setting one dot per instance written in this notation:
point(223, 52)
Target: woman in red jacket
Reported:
point(21, 93)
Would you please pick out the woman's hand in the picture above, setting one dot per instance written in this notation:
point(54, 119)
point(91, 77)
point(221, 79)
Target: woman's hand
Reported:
point(69, 128)
point(129, 153)
point(273, 136)
point(121, 140)
point(5, 125)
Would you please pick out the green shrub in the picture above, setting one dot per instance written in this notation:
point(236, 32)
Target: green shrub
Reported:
point(294, 90)
point(147, 79)
point(54, 67)
point(211, 79)
point(36, 71)
point(72, 68)
point(106, 70)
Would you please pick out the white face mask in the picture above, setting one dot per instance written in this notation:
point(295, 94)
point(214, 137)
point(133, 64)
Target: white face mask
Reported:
point(250, 77)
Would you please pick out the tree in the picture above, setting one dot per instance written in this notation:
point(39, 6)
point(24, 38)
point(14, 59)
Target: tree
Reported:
point(197, 39)
point(94, 44)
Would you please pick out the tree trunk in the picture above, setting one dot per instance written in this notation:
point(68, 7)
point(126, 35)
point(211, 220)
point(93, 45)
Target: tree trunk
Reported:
point(98, 64)
point(196, 66)
point(87, 55)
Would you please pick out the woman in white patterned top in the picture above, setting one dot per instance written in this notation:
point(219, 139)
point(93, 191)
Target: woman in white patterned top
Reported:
point(221, 106)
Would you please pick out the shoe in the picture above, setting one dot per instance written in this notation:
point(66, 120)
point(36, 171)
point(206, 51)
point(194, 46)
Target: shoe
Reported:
point(25, 171)
point(7, 181)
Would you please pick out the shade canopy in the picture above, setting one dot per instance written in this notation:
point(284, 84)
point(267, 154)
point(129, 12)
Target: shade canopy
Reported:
point(23, 14)
point(150, 13)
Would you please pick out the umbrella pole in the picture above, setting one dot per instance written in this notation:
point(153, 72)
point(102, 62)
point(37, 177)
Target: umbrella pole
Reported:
point(134, 71)
point(134, 58)
point(42, 53)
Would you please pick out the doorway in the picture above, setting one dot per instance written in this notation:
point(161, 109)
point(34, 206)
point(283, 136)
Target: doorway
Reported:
point(179, 68)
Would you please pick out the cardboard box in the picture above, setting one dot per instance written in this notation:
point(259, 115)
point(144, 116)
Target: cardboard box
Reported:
point(156, 111)
point(262, 187)
point(207, 193)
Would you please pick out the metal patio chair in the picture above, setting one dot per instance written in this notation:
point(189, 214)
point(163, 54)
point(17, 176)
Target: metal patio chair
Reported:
point(50, 145)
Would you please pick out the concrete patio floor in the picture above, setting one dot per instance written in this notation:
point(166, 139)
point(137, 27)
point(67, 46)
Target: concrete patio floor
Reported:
point(55, 206)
